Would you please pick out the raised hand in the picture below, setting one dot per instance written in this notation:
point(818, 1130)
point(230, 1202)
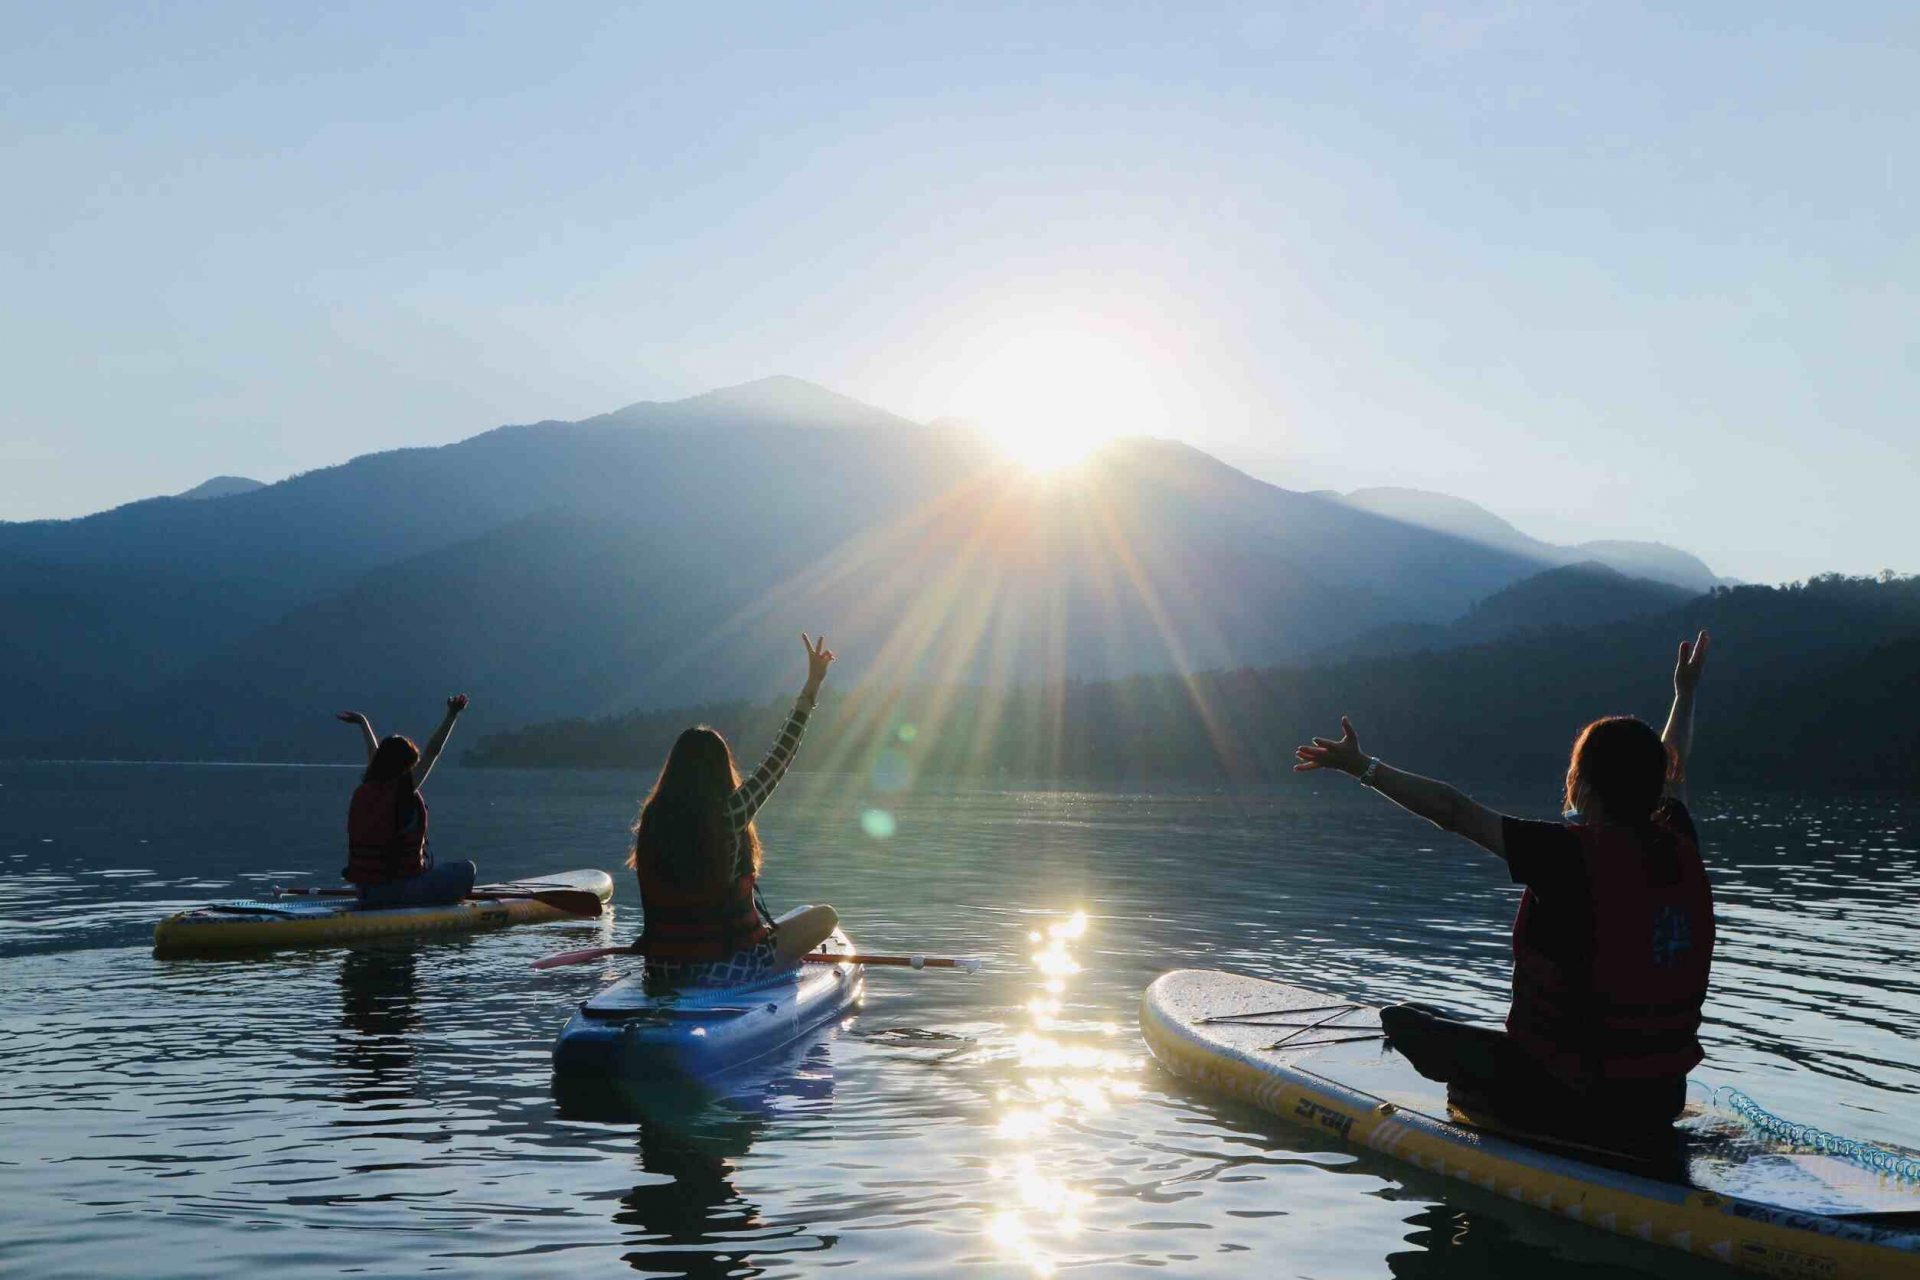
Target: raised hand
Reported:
point(1344, 755)
point(456, 704)
point(351, 717)
point(1686, 668)
point(819, 658)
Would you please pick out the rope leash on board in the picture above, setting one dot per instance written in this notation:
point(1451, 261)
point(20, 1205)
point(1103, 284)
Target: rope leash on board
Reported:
point(1879, 1159)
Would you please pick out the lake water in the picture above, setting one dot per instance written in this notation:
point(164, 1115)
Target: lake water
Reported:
point(388, 1111)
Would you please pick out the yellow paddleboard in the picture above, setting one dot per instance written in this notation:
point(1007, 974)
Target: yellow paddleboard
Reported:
point(252, 924)
point(1744, 1199)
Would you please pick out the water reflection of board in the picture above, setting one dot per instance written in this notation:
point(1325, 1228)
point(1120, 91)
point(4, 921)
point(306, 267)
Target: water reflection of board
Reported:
point(1318, 1061)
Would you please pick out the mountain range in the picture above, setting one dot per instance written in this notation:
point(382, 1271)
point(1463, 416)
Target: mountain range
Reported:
point(668, 553)
point(1443, 513)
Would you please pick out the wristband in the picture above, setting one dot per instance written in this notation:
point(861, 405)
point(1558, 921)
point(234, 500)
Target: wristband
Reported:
point(1370, 775)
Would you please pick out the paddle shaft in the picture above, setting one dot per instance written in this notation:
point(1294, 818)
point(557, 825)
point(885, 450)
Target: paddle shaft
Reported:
point(575, 902)
point(813, 957)
point(905, 962)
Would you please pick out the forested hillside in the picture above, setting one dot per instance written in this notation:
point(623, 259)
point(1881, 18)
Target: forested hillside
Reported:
point(1811, 684)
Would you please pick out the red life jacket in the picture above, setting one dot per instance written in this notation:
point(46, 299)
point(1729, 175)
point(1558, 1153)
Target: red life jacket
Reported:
point(709, 923)
point(1631, 1010)
point(378, 850)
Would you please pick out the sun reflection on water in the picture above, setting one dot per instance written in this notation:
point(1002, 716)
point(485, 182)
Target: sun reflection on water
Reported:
point(1066, 1070)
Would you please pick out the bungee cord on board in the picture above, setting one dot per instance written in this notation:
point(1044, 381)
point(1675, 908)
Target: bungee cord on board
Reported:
point(1879, 1159)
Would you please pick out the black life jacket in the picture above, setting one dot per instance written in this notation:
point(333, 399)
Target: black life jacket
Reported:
point(710, 923)
point(1631, 1010)
point(379, 851)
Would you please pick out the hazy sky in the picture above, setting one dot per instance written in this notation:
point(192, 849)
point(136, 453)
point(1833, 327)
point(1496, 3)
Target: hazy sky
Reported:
point(1609, 271)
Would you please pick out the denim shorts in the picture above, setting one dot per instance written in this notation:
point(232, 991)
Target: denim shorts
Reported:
point(439, 884)
point(747, 965)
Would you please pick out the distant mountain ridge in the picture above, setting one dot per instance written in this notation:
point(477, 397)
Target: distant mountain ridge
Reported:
point(1567, 597)
point(1444, 513)
point(1586, 594)
point(667, 552)
point(220, 487)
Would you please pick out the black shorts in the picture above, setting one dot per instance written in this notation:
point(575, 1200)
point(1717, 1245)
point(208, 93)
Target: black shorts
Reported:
point(1488, 1075)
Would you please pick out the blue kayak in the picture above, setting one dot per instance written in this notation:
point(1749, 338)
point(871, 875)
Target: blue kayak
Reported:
point(699, 1033)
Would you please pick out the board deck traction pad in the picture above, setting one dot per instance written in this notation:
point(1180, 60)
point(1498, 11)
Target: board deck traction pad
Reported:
point(301, 906)
point(1759, 1206)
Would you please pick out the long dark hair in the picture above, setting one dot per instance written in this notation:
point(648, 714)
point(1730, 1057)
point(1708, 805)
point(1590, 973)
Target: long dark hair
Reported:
point(393, 761)
point(682, 829)
point(1622, 762)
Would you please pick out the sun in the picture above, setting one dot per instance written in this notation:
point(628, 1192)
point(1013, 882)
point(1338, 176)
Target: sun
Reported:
point(1050, 449)
point(1051, 390)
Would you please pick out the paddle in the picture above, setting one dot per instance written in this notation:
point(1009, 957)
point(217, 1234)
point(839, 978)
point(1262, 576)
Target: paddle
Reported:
point(575, 902)
point(969, 963)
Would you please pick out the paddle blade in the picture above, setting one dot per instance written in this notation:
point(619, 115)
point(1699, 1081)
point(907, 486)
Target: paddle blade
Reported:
point(575, 902)
point(585, 956)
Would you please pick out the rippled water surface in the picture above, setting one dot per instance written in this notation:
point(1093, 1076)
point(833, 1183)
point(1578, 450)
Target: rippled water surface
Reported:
point(389, 1110)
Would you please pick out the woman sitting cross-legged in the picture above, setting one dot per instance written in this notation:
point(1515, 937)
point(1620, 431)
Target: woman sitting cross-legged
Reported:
point(697, 856)
point(387, 853)
point(1612, 945)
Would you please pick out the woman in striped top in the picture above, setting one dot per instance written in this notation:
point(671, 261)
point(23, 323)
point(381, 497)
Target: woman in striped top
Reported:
point(697, 856)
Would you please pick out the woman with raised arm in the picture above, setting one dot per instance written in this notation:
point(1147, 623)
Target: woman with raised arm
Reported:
point(697, 856)
point(387, 853)
point(1611, 947)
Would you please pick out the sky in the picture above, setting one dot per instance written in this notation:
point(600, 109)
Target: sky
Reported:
point(1610, 271)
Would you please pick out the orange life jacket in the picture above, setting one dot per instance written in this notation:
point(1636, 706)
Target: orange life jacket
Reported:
point(379, 851)
point(710, 923)
point(1631, 1010)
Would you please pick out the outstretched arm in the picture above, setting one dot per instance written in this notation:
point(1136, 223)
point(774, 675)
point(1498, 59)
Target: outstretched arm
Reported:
point(1444, 806)
point(751, 794)
point(1678, 735)
point(455, 705)
point(366, 731)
